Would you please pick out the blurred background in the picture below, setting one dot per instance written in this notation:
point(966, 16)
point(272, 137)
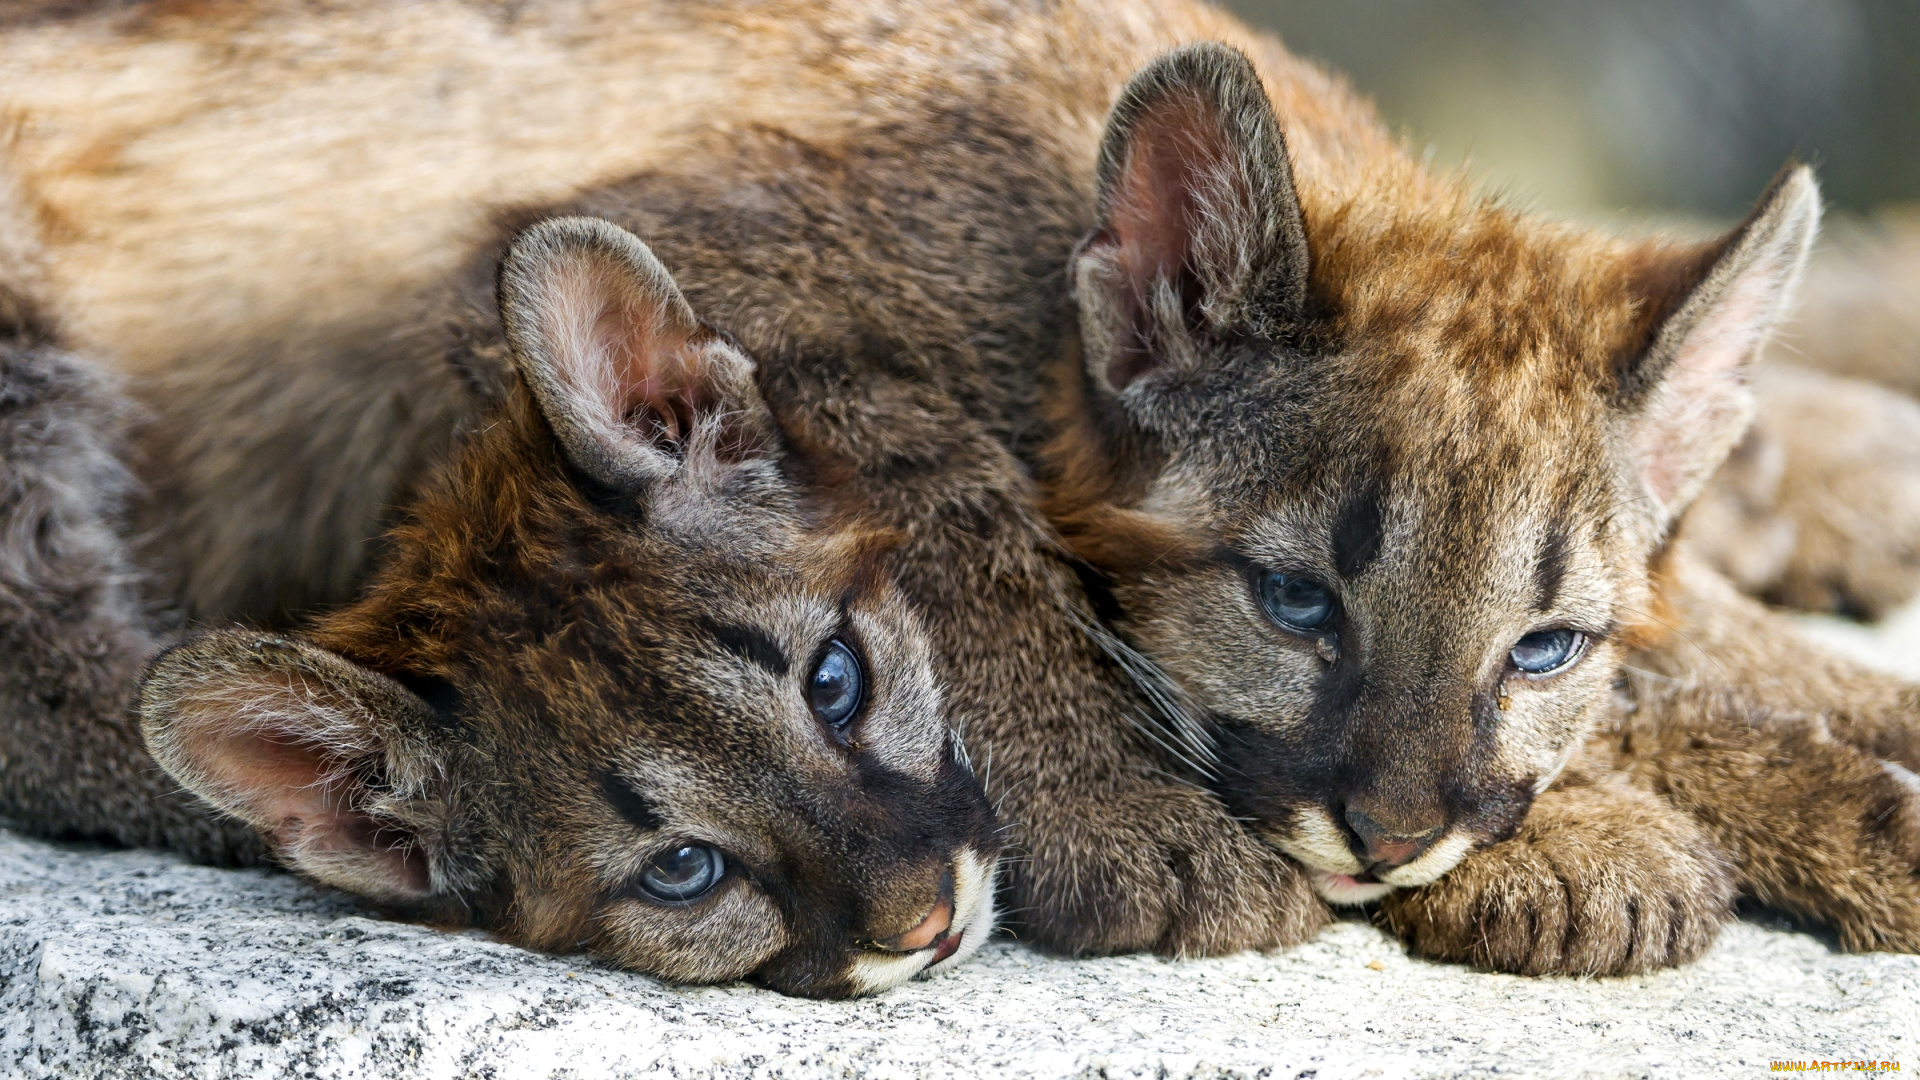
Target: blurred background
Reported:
point(1622, 108)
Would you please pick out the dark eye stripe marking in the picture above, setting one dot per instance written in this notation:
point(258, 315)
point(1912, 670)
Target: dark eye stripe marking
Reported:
point(753, 645)
point(635, 807)
point(1550, 570)
point(1357, 531)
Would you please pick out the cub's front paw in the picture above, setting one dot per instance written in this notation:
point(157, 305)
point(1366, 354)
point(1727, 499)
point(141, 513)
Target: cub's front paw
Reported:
point(1163, 869)
point(1600, 880)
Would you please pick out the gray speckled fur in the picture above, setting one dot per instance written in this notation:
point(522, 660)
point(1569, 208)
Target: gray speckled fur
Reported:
point(73, 635)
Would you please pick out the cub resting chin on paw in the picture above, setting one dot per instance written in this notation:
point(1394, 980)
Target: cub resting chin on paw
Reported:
point(1277, 381)
point(1372, 476)
point(1391, 498)
point(607, 689)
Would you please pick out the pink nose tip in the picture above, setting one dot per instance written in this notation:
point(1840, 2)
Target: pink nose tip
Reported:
point(929, 930)
point(932, 928)
point(1389, 848)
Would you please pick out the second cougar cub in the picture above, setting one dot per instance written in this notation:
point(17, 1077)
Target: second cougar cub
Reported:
point(617, 683)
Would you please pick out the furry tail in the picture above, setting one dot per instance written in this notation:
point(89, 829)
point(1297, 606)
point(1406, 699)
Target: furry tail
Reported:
point(73, 636)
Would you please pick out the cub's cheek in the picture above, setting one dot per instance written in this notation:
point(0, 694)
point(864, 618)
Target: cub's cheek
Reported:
point(727, 937)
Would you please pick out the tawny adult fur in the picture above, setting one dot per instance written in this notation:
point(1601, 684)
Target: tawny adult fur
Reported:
point(1818, 508)
point(882, 206)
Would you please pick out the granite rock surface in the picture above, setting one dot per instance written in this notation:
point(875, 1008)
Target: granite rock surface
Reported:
point(133, 964)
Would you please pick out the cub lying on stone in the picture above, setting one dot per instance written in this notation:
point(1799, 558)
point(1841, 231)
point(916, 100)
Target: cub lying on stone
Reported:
point(881, 204)
point(1345, 449)
point(338, 308)
point(617, 683)
point(1390, 496)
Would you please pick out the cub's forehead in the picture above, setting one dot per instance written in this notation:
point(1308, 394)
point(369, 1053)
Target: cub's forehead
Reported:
point(1308, 430)
point(723, 682)
point(1447, 508)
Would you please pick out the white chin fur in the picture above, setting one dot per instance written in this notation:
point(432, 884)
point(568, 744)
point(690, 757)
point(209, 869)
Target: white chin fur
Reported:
point(1338, 887)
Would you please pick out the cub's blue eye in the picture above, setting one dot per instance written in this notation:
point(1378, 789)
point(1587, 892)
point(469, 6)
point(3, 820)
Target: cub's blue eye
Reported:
point(836, 686)
point(683, 875)
point(1296, 603)
point(1546, 650)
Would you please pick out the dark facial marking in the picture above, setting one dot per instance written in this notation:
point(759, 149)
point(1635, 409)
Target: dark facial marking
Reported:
point(1551, 568)
point(441, 696)
point(1357, 531)
point(753, 645)
point(632, 805)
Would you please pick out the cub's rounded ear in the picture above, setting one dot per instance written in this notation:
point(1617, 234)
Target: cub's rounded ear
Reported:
point(1681, 386)
point(324, 757)
point(1200, 228)
point(630, 381)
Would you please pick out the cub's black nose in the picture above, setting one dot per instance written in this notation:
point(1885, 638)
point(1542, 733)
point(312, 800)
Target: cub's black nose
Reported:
point(1385, 847)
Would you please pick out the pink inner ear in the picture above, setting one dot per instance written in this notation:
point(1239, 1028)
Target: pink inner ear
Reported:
point(1178, 162)
point(1702, 401)
point(1179, 168)
point(299, 798)
point(654, 368)
point(1154, 206)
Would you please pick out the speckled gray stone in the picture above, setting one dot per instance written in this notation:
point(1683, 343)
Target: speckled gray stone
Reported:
point(131, 964)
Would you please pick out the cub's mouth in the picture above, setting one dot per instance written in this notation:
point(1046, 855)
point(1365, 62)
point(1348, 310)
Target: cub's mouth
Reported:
point(1349, 890)
point(973, 913)
point(956, 927)
point(1338, 875)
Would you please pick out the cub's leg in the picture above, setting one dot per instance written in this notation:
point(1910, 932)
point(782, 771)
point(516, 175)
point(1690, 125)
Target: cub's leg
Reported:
point(73, 638)
point(1813, 826)
point(1602, 878)
point(1819, 507)
point(1799, 761)
point(1112, 852)
point(1760, 665)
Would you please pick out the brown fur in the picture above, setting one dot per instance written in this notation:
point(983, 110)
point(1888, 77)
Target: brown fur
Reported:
point(589, 646)
point(157, 264)
point(881, 206)
point(1819, 507)
point(1601, 878)
point(73, 631)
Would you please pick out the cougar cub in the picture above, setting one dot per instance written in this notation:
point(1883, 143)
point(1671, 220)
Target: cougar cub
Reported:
point(1285, 353)
point(617, 683)
point(1373, 476)
point(312, 299)
point(1384, 475)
